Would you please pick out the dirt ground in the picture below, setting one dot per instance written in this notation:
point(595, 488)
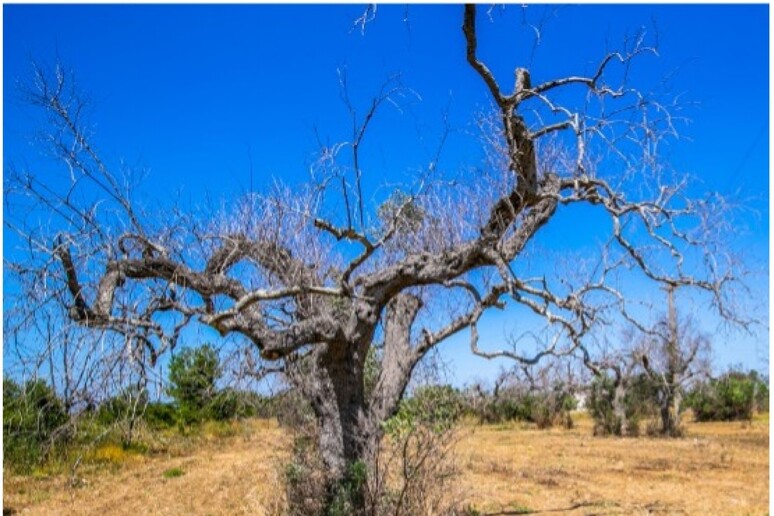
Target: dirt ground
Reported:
point(719, 468)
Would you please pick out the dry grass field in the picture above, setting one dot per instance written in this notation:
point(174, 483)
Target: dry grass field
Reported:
point(719, 468)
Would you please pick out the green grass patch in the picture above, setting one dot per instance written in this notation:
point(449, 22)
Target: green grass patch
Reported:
point(173, 473)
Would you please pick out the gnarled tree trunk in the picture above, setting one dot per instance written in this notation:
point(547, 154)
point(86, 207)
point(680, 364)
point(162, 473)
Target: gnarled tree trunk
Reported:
point(670, 413)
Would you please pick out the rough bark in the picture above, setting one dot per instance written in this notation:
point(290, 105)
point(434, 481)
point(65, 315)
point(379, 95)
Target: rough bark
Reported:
point(332, 380)
point(670, 414)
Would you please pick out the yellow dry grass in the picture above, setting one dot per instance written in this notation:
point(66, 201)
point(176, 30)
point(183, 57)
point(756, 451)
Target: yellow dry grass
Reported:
point(719, 468)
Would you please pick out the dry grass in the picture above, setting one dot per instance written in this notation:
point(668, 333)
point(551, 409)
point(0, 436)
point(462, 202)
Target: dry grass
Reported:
point(720, 468)
point(233, 474)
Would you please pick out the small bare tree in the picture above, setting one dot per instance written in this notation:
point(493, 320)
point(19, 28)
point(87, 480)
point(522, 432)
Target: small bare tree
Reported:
point(313, 295)
point(611, 404)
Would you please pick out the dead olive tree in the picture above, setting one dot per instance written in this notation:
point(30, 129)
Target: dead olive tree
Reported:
point(672, 355)
point(616, 377)
point(280, 272)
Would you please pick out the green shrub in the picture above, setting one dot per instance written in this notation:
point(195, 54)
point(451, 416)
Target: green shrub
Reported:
point(761, 393)
point(638, 404)
point(235, 404)
point(159, 415)
point(732, 397)
point(129, 403)
point(544, 408)
point(223, 406)
point(33, 420)
point(348, 495)
point(192, 375)
point(437, 407)
point(173, 473)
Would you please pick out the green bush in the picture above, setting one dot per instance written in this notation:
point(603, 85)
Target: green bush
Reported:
point(129, 403)
point(548, 408)
point(347, 496)
point(732, 397)
point(544, 408)
point(437, 407)
point(173, 473)
point(761, 393)
point(192, 375)
point(159, 415)
point(235, 404)
point(33, 420)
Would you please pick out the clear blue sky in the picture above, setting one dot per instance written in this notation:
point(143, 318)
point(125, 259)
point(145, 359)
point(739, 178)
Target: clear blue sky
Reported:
point(192, 92)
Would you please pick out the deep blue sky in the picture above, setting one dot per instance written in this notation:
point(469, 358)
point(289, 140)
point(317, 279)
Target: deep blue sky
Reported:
point(187, 90)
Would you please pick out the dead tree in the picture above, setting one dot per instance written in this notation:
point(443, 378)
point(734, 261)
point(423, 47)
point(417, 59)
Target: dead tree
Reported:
point(615, 373)
point(279, 272)
point(673, 355)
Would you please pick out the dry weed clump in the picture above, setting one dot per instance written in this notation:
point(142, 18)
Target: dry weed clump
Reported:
point(417, 473)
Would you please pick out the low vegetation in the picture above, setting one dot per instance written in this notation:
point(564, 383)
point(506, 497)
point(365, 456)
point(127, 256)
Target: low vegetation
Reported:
point(40, 435)
point(33, 423)
point(639, 403)
point(734, 396)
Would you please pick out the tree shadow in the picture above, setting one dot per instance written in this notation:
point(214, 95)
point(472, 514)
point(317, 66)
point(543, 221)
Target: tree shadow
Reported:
point(542, 511)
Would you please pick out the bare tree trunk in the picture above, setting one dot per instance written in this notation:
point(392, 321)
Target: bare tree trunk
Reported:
point(348, 422)
point(619, 408)
point(670, 408)
point(338, 402)
point(670, 413)
point(333, 383)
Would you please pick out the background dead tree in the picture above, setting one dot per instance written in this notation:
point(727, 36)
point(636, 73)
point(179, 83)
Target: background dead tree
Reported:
point(611, 405)
point(313, 290)
point(672, 356)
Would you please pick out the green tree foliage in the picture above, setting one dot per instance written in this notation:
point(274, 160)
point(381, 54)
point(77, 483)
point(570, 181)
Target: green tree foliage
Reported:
point(33, 420)
point(231, 403)
point(733, 396)
point(159, 415)
point(192, 377)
